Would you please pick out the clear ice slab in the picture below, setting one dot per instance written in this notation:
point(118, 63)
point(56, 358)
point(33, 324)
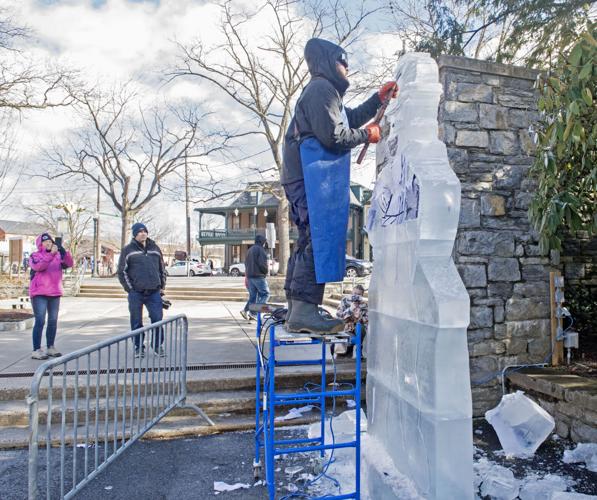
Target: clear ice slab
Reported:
point(418, 383)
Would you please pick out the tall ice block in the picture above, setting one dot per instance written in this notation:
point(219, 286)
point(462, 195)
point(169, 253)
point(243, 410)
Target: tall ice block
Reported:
point(418, 383)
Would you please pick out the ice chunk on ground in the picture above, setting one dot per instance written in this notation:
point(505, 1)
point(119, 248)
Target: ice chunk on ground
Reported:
point(542, 489)
point(343, 426)
point(222, 486)
point(571, 496)
point(294, 413)
point(291, 471)
point(584, 452)
point(499, 483)
point(520, 423)
point(480, 469)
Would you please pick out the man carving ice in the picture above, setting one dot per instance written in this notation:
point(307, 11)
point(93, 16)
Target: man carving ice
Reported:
point(316, 180)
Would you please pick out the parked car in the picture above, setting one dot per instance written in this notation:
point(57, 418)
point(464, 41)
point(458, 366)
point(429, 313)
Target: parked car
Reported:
point(179, 268)
point(357, 267)
point(239, 269)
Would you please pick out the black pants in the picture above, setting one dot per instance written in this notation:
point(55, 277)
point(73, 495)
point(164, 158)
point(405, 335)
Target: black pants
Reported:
point(300, 281)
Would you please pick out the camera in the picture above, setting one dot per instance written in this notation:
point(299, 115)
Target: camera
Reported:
point(166, 303)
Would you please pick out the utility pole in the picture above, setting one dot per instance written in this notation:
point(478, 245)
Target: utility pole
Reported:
point(96, 237)
point(187, 212)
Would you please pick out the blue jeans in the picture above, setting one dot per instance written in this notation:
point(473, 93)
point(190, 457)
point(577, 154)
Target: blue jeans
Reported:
point(258, 292)
point(41, 305)
point(153, 302)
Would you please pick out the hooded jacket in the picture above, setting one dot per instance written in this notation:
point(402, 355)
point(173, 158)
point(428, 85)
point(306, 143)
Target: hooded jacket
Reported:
point(319, 112)
point(141, 268)
point(256, 260)
point(48, 267)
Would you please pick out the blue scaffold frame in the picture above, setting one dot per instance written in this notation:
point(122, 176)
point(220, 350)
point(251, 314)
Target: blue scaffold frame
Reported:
point(267, 399)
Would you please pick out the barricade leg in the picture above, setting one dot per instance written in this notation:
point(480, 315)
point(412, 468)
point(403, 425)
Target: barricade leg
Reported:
point(258, 408)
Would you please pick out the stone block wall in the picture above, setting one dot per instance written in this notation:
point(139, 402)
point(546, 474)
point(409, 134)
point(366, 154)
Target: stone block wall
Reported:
point(484, 119)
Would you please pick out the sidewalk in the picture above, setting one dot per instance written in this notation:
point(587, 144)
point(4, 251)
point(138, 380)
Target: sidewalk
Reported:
point(217, 332)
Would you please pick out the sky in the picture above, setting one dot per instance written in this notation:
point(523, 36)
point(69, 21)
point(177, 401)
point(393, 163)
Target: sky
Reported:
point(115, 41)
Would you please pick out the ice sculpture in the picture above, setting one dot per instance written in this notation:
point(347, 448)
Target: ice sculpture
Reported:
point(418, 384)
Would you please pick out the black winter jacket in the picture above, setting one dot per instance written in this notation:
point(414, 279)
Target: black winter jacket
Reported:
point(319, 110)
point(141, 268)
point(256, 260)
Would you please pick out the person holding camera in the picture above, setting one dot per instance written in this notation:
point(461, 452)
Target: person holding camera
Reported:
point(142, 274)
point(352, 310)
point(45, 291)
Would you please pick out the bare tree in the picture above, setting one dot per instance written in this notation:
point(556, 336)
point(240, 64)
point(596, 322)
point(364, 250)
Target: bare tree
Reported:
point(68, 209)
point(263, 75)
point(24, 85)
point(127, 151)
point(10, 170)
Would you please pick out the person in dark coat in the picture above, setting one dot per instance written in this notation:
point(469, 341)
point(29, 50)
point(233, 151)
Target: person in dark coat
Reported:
point(256, 270)
point(142, 274)
point(320, 114)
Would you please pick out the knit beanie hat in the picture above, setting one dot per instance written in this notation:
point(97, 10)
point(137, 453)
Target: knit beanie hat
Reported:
point(138, 226)
point(46, 237)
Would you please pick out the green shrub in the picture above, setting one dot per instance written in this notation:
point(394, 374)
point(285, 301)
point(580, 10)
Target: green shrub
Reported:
point(566, 162)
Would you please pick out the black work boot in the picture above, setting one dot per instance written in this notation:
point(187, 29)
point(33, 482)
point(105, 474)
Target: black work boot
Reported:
point(305, 318)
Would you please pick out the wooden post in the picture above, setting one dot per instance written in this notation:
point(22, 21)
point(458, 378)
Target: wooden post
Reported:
point(557, 354)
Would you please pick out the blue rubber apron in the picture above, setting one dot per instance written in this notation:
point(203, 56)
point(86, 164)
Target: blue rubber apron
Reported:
point(327, 185)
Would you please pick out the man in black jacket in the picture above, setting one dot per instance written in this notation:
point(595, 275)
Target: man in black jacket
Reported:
point(256, 270)
point(142, 275)
point(320, 114)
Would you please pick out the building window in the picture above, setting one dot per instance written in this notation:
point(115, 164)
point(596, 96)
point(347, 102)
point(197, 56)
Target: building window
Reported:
point(235, 221)
point(235, 251)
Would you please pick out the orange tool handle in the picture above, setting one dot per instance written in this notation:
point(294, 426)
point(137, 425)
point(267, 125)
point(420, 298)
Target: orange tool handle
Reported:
point(376, 119)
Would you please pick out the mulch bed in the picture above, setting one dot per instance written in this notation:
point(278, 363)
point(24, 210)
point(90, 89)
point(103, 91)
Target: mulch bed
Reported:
point(10, 315)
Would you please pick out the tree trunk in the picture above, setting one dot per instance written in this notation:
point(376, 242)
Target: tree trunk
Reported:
point(127, 217)
point(283, 236)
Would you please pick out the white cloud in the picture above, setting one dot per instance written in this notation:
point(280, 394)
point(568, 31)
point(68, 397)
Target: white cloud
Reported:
point(123, 40)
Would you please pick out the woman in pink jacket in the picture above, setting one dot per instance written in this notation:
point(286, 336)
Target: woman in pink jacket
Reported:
point(45, 291)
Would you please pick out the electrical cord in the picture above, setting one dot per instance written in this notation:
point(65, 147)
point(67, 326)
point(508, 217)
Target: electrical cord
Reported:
point(303, 492)
point(499, 373)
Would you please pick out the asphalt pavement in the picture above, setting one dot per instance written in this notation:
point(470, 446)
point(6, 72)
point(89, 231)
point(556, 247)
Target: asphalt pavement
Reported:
point(186, 469)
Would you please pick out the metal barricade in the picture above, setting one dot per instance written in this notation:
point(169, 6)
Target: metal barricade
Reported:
point(100, 400)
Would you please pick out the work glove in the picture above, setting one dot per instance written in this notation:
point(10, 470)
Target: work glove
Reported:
point(373, 133)
point(388, 90)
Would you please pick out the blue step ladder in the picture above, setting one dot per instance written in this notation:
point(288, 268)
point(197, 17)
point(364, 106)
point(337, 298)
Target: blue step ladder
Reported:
point(267, 399)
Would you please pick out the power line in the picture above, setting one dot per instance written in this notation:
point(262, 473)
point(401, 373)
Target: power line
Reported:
point(239, 159)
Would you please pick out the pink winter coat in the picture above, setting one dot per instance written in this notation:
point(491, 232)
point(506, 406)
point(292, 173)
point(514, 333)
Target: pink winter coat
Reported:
point(48, 271)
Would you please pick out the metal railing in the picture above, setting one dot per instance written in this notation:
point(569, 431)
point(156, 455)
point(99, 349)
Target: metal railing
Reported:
point(103, 398)
point(73, 280)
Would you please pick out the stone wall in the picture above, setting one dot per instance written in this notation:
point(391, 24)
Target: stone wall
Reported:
point(484, 118)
